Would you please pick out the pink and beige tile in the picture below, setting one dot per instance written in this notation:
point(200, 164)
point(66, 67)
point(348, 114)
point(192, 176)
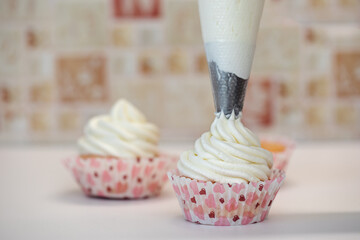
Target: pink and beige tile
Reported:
point(62, 62)
point(346, 72)
point(136, 9)
point(82, 79)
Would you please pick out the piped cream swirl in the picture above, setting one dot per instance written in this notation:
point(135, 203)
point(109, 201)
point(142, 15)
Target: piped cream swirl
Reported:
point(229, 153)
point(125, 132)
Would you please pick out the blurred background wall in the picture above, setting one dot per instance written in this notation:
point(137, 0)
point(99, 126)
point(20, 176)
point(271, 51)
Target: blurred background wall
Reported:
point(63, 61)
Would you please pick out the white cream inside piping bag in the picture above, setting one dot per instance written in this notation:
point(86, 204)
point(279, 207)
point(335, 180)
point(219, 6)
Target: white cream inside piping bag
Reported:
point(229, 29)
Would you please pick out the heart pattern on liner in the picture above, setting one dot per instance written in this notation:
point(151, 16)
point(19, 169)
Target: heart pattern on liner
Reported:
point(112, 177)
point(223, 204)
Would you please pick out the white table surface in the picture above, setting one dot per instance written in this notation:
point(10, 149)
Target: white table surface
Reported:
point(39, 200)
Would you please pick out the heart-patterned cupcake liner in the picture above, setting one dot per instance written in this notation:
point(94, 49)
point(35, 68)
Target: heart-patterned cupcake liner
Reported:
point(223, 204)
point(281, 158)
point(113, 177)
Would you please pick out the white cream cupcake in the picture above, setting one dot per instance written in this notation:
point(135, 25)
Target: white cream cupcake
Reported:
point(119, 155)
point(227, 178)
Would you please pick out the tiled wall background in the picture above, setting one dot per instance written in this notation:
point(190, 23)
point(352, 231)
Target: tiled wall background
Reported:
point(63, 61)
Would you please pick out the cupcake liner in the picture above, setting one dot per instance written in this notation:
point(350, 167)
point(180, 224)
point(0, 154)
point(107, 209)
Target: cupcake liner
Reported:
point(223, 204)
point(113, 177)
point(281, 159)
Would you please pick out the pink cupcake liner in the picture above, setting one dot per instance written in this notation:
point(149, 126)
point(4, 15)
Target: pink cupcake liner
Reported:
point(281, 159)
point(112, 177)
point(223, 204)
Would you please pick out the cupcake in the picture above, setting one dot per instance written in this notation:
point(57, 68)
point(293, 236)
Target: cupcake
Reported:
point(119, 155)
point(281, 148)
point(227, 179)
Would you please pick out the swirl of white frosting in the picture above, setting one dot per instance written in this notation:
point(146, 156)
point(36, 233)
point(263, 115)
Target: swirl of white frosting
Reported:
point(229, 153)
point(123, 133)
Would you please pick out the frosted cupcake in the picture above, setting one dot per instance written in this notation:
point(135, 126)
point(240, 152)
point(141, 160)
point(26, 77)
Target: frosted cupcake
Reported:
point(119, 155)
point(281, 148)
point(227, 178)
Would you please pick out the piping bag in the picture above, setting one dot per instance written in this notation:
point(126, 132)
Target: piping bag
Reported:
point(229, 30)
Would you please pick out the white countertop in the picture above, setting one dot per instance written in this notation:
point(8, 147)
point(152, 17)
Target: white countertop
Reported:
point(39, 200)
